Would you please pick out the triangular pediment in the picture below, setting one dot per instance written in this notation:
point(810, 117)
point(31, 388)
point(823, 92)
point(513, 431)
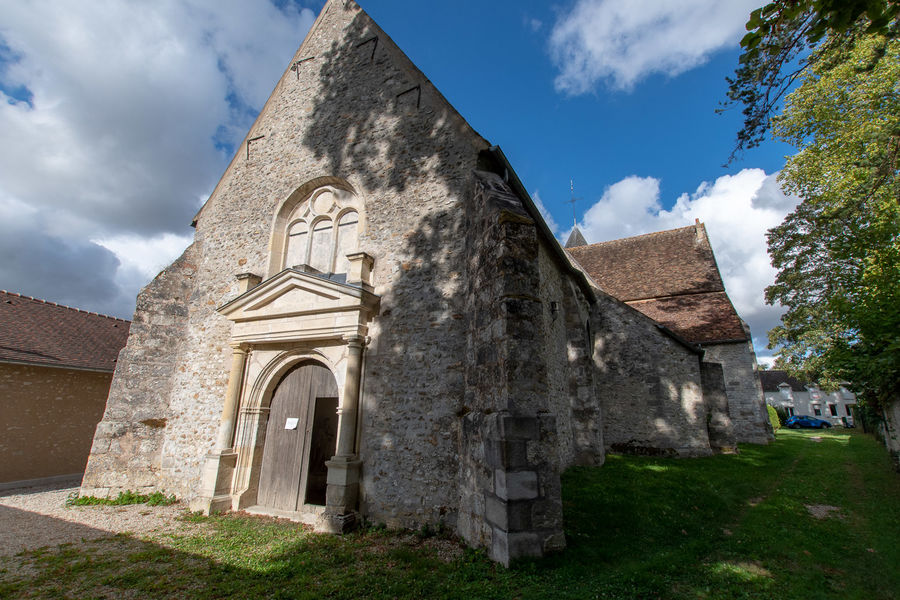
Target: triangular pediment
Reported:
point(295, 293)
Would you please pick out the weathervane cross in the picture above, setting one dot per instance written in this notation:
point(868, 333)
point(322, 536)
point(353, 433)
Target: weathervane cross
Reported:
point(573, 201)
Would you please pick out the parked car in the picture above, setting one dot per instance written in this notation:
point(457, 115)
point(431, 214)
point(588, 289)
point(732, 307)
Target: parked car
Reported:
point(807, 422)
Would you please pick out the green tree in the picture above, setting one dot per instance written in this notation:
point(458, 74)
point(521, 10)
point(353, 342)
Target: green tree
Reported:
point(838, 253)
point(773, 418)
point(776, 51)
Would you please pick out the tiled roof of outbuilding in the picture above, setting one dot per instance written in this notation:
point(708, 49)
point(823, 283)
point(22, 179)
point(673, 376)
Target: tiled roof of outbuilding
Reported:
point(670, 276)
point(45, 333)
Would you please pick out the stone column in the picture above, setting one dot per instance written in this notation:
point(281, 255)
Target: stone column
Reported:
point(232, 397)
point(218, 469)
point(343, 469)
point(346, 443)
point(248, 446)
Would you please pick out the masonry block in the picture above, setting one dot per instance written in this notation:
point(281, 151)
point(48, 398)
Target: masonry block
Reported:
point(516, 485)
point(509, 515)
point(506, 454)
point(519, 428)
point(507, 547)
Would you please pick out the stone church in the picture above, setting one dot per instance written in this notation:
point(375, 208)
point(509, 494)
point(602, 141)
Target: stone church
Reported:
point(672, 277)
point(374, 321)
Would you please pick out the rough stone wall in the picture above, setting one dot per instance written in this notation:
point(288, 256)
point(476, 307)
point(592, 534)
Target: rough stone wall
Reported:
point(572, 395)
point(746, 403)
point(361, 112)
point(510, 496)
point(651, 393)
point(127, 448)
point(718, 420)
point(47, 419)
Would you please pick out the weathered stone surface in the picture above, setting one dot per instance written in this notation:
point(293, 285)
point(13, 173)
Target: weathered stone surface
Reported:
point(652, 396)
point(516, 485)
point(746, 403)
point(507, 547)
point(127, 452)
point(718, 421)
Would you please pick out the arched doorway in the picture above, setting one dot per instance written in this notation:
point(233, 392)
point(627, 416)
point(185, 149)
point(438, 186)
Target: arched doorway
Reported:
point(300, 436)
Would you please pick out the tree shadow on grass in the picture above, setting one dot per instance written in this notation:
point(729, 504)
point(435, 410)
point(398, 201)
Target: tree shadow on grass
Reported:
point(629, 536)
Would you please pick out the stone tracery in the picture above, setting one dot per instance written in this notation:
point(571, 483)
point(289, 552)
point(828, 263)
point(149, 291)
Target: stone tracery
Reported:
point(321, 230)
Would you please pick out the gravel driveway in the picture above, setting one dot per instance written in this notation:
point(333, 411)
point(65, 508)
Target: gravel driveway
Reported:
point(38, 516)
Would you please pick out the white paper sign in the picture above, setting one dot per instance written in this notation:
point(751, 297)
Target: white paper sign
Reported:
point(291, 423)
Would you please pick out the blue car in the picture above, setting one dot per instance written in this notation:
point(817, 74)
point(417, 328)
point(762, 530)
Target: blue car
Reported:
point(807, 422)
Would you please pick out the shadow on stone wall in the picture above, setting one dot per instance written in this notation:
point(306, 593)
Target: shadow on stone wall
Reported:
point(424, 374)
point(377, 120)
point(405, 120)
point(652, 390)
point(414, 381)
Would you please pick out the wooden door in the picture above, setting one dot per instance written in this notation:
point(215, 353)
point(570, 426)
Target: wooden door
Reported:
point(283, 474)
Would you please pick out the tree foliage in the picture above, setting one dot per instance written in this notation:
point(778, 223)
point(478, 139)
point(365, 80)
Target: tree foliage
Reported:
point(773, 418)
point(838, 252)
point(777, 45)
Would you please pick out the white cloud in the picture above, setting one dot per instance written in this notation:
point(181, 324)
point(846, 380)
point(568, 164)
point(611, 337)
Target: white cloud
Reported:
point(548, 218)
point(132, 113)
point(146, 255)
point(620, 43)
point(623, 209)
point(737, 210)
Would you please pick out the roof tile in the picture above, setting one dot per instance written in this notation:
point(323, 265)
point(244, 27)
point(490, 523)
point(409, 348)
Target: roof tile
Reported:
point(665, 263)
point(670, 276)
point(45, 333)
point(698, 318)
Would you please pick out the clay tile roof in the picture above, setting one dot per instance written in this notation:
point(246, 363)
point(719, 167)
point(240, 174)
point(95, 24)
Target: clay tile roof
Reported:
point(665, 263)
point(698, 318)
point(670, 276)
point(45, 333)
point(770, 381)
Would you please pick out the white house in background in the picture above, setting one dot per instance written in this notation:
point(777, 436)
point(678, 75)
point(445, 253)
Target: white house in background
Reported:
point(798, 398)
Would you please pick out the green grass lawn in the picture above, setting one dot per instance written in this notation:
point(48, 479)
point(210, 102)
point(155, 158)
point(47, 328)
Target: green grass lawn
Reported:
point(735, 526)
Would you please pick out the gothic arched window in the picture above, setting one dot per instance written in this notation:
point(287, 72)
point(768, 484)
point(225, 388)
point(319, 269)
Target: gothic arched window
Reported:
point(319, 230)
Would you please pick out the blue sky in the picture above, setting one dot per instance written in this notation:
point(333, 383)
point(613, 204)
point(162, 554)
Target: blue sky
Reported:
point(121, 116)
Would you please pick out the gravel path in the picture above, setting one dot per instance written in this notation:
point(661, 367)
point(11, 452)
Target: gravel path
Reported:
point(34, 517)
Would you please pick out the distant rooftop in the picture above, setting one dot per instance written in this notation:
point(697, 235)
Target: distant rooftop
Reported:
point(44, 333)
point(771, 379)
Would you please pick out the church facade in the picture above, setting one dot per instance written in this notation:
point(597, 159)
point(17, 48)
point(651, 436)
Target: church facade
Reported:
point(374, 320)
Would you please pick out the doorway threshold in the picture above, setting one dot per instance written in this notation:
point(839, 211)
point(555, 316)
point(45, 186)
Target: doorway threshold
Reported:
point(310, 514)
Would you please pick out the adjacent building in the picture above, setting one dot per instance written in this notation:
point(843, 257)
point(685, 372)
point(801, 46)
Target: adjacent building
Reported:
point(56, 364)
point(799, 398)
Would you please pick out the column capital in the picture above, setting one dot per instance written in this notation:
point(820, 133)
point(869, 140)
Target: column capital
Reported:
point(239, 347)
point(355, 340)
